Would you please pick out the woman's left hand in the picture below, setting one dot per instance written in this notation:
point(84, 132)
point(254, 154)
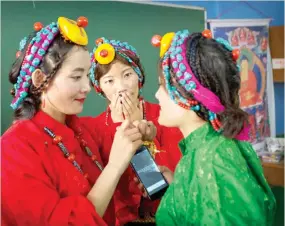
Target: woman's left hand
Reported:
point(147, 129)
point(131, 110)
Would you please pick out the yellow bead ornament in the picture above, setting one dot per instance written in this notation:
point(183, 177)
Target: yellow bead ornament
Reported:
point(105, 53)
point(165, 43)
point(71, 31)
point(151, 147)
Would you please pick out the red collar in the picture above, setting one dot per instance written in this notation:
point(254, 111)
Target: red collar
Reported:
point(42, 119)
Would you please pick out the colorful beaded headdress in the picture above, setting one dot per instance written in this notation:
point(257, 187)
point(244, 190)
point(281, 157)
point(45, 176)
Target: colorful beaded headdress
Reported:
point(70, 30)
point(173, 48)
point(104, 53)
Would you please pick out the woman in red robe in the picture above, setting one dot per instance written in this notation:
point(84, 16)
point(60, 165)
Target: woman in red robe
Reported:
point(52, 172)
point(118, 76)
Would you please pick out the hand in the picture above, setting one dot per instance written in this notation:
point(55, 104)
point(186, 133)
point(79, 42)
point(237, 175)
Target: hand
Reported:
point(116, 107)
point(167, 173)
point(131, 110)
point(147, 129)
point(126, 141)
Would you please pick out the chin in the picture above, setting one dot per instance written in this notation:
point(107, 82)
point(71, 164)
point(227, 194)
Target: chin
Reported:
point(75, 111)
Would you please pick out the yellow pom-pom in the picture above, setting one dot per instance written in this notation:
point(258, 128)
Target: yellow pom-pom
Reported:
point(72, 32)
point(165, 43)
point(105, 53)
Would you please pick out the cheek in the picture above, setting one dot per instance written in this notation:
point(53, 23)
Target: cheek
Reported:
point(108, 90)
point(133, 82)
point(63, 89)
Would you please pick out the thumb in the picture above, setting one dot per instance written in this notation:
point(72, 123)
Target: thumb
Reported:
point(125, 124)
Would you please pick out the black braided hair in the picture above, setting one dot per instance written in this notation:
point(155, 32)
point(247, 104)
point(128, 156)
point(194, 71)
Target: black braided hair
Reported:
point(215, 69)
point(50, 64)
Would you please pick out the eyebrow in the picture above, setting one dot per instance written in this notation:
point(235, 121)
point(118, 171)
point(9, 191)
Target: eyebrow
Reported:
point(78, 69)
point(126, 69)
point(108, 76)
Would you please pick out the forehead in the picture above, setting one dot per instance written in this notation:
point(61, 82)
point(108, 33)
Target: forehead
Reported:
point(117, 68)
point(77, 57)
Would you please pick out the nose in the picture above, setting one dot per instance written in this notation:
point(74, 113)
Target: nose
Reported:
point(157, 94)
point(86, 87)
point(121, 86)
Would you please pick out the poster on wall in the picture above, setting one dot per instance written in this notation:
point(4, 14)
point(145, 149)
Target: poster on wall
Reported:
point(256, 92)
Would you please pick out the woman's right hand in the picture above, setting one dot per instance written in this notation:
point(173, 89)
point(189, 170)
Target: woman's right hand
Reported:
point(126, 141)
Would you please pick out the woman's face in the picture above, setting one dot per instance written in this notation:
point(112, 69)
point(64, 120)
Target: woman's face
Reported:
point(68, 90)
point(120, 78)
point(171, 114)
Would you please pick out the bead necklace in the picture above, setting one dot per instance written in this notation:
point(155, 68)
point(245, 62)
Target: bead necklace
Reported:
point(70, 156)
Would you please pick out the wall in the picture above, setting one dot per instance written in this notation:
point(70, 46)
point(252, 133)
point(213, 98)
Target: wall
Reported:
point(248, 10)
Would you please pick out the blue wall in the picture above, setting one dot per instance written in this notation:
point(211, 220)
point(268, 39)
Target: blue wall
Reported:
point(241, 10)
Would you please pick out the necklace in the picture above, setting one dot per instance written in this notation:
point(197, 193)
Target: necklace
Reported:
point(108, 111)
point(70, 156)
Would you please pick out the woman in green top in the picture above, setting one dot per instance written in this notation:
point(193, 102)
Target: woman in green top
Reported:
point(219, 180)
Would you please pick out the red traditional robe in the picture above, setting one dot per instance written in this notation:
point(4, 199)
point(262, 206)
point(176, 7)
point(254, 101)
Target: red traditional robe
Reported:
point(127, 195)
point(39, 185)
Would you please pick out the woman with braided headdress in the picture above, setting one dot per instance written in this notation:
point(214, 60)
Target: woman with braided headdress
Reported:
point(219, 180)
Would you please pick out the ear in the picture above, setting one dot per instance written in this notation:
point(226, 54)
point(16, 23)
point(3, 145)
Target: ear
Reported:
point(38, 78)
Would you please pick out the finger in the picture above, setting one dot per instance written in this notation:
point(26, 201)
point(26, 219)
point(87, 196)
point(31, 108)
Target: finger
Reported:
point(126, 112)
point(128, 100)
point(137, 144)
point(125, 124)
point(119, 108)
point(145, 194)
point(114, 100)
point(162, 169)
point(131, 130)
point(136, 123)
point(142, 128)
point(140, 186)
point(135, 137)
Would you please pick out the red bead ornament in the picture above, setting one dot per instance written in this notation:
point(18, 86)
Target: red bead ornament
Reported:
point(71, 157)
point(218, 123)
point(155, 40)
point(57, 139)
point(207, 33)
point(82, 21)
point(98, 41)
point(38, 26)
point(83, 143)
point(235, 54)
point(97, 89)
point(18, 54)
point(104, 53)
point(183, 105)
point(86, 175)
point(93, 157)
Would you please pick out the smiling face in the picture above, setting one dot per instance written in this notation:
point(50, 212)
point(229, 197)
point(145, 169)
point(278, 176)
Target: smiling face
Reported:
point(67, 91)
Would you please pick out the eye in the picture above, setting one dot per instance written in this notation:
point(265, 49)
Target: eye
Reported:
point(76, 78)
point(127, 74)
point(109, 81)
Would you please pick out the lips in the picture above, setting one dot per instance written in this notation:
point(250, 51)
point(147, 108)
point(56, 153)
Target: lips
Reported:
point(81, 100)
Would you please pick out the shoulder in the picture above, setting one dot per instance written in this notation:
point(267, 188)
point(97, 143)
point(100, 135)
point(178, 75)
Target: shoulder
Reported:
point(93, 119)
point(221, 154)
point(23, 141)
point(20, 130)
